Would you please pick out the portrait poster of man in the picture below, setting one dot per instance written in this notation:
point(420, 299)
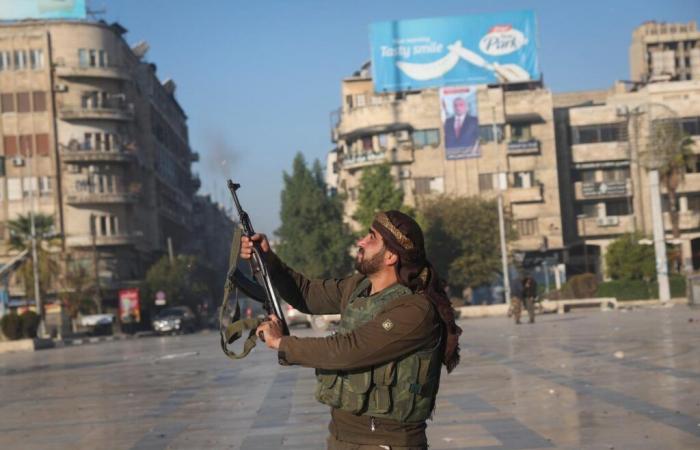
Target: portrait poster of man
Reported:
point(460, 122)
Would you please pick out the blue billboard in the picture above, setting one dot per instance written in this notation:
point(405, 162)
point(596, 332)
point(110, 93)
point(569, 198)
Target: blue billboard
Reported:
point(42, 9)
point(449, 51)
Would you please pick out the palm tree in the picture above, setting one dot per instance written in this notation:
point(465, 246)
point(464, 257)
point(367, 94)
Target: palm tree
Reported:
point(672, 173)
point(21, 239)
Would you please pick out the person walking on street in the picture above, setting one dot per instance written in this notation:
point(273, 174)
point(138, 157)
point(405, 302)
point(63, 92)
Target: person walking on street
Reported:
point(380, 373)
point(516, 305)
point(530, 295)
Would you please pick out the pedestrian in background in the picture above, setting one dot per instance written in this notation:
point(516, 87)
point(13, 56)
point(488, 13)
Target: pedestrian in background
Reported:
point(516, 294)
point(530, 295)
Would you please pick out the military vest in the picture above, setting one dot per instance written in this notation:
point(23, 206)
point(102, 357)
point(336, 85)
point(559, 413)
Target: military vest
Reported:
point(402, 390)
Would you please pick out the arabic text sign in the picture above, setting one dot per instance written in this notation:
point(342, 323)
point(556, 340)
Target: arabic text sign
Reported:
point(449, 51)
point(42, 9)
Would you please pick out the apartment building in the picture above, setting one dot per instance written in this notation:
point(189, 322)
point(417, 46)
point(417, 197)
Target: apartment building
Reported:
point(604, 145)
point(92, 137)
point(405, 130)
point(669, 51)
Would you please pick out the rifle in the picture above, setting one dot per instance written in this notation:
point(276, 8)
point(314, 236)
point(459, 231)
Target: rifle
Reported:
point(262, 290)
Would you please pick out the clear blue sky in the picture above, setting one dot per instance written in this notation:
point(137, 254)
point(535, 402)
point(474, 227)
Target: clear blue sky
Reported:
point(259, 79)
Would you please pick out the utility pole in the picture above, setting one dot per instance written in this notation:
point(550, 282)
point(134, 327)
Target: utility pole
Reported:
point(95, 263)
point(35, 256)
point(659, 238)
point(501, 220)
point(171, 257)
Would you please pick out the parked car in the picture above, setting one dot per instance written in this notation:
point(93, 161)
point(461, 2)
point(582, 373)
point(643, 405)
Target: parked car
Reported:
point(175, 319)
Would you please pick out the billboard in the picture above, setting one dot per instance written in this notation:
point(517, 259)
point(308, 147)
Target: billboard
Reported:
point(450, 51)
point(460, 123)
point(42, 9)
point(129, 306)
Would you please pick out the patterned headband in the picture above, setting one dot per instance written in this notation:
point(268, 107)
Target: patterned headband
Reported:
point(384, 221)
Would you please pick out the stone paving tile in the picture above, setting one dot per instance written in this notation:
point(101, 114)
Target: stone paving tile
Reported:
point(560, 383)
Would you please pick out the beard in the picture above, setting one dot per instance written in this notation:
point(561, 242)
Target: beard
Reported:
point(371, 265)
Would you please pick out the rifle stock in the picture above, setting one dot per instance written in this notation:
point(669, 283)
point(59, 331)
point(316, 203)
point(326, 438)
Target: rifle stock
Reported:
point(257, 262)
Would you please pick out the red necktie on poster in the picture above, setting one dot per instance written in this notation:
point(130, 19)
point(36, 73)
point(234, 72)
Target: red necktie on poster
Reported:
point(458, 125)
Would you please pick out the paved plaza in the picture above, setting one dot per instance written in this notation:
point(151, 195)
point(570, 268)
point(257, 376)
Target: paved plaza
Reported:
point(598, 380)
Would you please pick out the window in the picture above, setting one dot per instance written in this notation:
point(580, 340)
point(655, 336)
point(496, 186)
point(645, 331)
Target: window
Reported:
point(526, 227)
point(29, 185)
point(587, 209)
point(102, 55)
point(367, 143)
point(383, 141)
point(83, 59)
point(616, 174)
point(486, 133)
point(14, 188)
point(691, 125)
point(42, 144)
point(39, 101)
point(44, 185)
point(103, 226)
point(5, 61)
point(617, 208)
point(422, 138)
point(3, 172)
point(520, 132)
point(36, 59)
point(113, 224)
point(87, 141)
point(588, 176)
point(486, 181)
point(98, 141)
point(523, 179)
point(10, 145)
point(591, 134)
point(25, 145)
point(694, 203)
point(422, 185)
point(20, 59)
point(23, 105)
point(92, 55)
point(348, 101)
point(360, 100)
point(7, 102)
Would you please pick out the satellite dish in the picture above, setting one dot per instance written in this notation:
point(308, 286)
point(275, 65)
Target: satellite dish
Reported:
point(140, 49)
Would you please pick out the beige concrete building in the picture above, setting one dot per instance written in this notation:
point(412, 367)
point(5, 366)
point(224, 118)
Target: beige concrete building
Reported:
point(661, 50)
point(405, 130)
point(603, 138)
point(93, 138)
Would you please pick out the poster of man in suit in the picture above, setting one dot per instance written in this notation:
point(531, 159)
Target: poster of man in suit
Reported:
point(460, 122)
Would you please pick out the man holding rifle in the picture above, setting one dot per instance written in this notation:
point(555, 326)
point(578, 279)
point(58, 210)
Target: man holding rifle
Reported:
point(380, 373)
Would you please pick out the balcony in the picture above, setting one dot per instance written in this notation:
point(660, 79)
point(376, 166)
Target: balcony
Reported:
point(115, 73)
point(95, 198)
point(116, 113)
point(586, 190)
point(391, 113)
point(93, 156)
point(529, 244)
point(687, 220)
point(351, 161)
point(526, 195)
point(602, 151)
point(102, 241)
point(604, 226)
point(529, 147)
point(690, 183)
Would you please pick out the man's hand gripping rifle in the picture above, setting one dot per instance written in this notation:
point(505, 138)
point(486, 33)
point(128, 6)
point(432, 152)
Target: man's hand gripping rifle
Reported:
point(261, 290)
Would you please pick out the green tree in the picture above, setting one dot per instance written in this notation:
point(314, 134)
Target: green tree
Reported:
point(677, 158)
point(185, 282)
point(20, 240)
point(378, 192)
point(627, 259)
point(462, 241)
point(312, 237)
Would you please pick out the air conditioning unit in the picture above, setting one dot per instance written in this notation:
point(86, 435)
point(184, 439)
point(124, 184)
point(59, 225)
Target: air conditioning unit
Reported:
point(621, 111)
point(405, 173)
point(61, 88)
point(18, 161)
point(608, 221)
